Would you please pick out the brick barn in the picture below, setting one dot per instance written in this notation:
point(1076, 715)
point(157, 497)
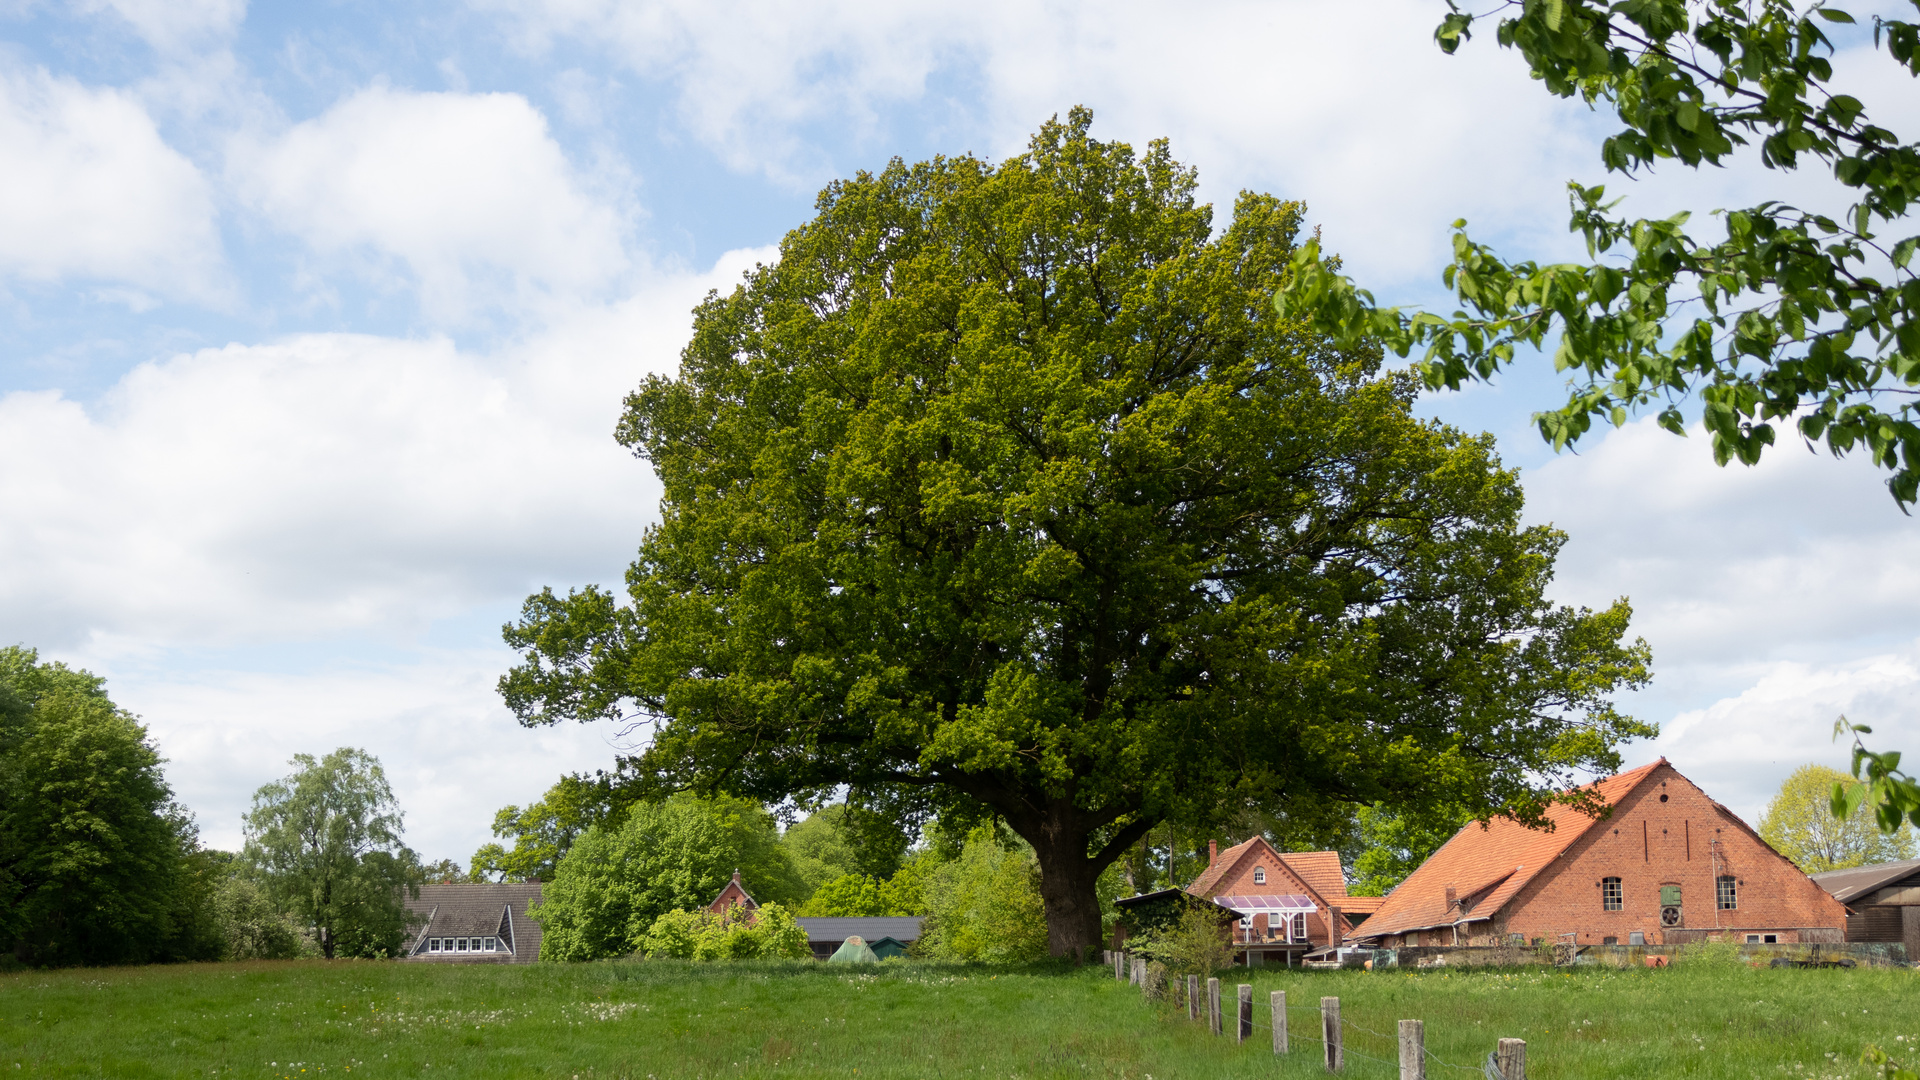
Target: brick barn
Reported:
point(1291, 904)
point(1668, 866)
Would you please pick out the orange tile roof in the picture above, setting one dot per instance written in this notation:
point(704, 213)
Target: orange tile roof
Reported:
point(1222, 863)
point(1495, 861)
point(1358, 905)
point(1320, 870)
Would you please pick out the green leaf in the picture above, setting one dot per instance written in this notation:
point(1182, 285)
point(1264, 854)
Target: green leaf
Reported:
point(1834, 15)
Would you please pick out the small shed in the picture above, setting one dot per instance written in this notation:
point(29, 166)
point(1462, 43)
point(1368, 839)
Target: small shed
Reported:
point(887, 948)
point(1883, 902)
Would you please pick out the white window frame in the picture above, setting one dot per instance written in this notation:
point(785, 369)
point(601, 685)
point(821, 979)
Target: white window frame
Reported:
point(1297, 927)
point(433, 945)
point(1259, 875)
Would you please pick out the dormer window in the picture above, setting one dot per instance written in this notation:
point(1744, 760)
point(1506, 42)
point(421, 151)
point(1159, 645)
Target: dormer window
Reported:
point(1259, 875)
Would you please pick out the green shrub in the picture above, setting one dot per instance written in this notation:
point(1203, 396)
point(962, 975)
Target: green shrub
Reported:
point(985, 905)
point(1196, 943)
point(771, 934)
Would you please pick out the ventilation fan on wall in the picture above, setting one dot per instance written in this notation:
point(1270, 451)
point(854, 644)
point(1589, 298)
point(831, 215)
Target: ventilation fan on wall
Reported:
point(1669, 905)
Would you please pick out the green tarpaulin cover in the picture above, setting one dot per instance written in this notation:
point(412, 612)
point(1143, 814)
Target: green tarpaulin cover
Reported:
point(853, 951)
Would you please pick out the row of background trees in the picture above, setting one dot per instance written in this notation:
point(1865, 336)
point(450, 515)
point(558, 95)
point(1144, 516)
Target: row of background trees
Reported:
point(99, 865)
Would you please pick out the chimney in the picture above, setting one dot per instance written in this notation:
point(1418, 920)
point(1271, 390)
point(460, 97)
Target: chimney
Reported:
point(1450, 895)
point(1213, 852)
point(736, 881)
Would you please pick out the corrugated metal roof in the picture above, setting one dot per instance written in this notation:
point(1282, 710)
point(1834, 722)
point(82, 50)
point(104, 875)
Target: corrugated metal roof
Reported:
point(1857, 881)
point(868, 928)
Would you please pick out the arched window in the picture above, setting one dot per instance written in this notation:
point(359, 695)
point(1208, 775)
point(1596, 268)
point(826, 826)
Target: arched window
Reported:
point(1259, 875)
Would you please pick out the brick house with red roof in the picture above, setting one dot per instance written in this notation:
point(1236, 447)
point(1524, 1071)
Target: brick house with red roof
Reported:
point(734, 901)
point(1291, 903)
point(1668, 865)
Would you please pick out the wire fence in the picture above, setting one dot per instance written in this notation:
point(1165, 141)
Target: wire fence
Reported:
point(1201, 1000)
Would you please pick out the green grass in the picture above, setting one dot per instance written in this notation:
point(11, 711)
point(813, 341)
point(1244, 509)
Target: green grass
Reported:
point(600, 1021)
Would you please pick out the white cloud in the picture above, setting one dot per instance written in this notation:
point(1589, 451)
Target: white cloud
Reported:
point(1775, 598)
point(90, 190)
point(329, 483)
point(1733, 566)
point(452, 752)
point(1348, 106)
point(1741, 748)
point(468, 191)
point(227, 534)
point(175, 25)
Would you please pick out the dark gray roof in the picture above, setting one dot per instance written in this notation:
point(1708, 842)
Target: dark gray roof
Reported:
point(1171, 894)
point(487, 909)
point(1854, 882)
point(904, 929)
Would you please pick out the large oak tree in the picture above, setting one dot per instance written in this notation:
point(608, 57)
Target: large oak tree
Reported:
point(1006, 491)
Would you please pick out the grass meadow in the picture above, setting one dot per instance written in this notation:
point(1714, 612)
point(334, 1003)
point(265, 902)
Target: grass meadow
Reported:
point(307, 1019)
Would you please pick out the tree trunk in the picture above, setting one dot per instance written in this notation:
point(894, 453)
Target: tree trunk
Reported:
point(1067, 880)
point(1059, 836)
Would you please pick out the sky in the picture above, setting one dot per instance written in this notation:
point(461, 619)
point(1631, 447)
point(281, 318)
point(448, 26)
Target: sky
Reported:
point(315, 321)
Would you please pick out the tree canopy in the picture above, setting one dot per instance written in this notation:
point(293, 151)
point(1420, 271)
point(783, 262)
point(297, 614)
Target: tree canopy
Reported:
point(1800, 824)
point(98, 865)
point(676, 854)
point(1004, 492)
point(326, 842)
point(1798, 316)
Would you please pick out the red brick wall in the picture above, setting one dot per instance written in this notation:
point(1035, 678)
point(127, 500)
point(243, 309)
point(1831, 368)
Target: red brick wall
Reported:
point(1649, 842)
point(1238, 881)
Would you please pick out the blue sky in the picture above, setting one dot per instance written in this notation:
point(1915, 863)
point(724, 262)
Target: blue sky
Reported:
point(315, 320)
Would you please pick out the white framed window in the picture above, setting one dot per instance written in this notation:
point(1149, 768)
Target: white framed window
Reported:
point(433, 944)
point(459, 944)
point(1299, 928)
point(1753, 939)
point(487, 945)
point(1259, 875)
point(1246, 921)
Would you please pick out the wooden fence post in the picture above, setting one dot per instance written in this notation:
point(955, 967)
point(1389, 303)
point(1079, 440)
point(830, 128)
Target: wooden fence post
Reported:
point(1193, 997)
point(1330, 1032)
point(1512, 1059)
point(1243, 1015)
point(1279, 998)
point(1213, 1006)
point(1413, 1050)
